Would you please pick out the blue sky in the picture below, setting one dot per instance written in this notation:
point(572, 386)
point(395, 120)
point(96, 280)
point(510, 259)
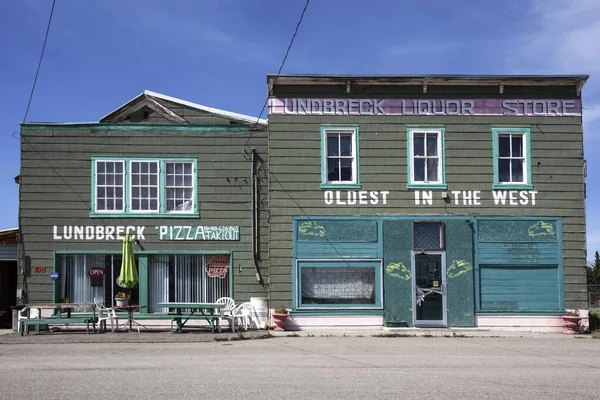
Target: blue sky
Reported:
point(102, 53)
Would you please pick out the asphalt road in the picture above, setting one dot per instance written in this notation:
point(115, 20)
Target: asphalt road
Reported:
point(306, 368)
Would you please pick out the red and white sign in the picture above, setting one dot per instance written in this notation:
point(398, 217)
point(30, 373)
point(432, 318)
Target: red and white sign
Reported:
point(217, 266)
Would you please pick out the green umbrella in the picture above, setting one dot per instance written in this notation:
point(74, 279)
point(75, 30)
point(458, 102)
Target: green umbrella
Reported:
point(128, 277)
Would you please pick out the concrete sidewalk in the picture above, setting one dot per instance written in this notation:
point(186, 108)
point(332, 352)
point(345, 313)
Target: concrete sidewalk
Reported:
point(8, 336)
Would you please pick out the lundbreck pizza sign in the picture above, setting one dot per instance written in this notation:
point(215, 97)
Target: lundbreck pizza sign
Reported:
point(508, 107)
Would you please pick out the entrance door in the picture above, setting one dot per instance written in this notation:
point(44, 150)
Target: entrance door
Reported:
point(429, 289)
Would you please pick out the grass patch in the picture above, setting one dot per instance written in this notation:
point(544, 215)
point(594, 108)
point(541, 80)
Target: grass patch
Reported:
point(393, 335)
point(596, 335)
point(292, 335)
point(427, 335)
point(243, 337)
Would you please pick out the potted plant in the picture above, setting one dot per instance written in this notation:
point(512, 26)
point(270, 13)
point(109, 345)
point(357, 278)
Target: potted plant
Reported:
point(121, 299)
point(280, 315)
point(571, 320)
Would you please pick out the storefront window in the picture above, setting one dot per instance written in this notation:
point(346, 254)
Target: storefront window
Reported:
point(339, 284)
point(184, 278)
point(81, 277)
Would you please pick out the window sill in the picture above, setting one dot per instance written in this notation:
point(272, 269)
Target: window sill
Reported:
point(125, 215)
point(350, 309)
point(436, 186)
point(512, 187)
point(341, 186)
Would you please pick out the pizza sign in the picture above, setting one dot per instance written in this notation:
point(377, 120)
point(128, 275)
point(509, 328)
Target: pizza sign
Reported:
point(217, 266)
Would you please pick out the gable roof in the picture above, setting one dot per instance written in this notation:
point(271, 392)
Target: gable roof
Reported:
point(147, 99)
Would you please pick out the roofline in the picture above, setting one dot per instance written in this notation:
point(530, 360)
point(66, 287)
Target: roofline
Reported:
point(8, 230)
point(227, 114)
point(533, 80)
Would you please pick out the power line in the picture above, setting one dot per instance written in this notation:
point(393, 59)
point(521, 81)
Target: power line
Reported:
point(37, 72)
point(287, 52)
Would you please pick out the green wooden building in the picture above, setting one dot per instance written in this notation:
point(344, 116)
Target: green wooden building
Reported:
point(188, 182)
point(449, 201)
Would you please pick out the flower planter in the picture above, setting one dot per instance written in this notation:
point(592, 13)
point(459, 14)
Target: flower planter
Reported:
point(121, 302)
point(571, 323)
point(279, 320)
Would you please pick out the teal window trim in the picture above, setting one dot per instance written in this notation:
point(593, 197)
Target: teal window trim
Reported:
point(441, 183)
point(528, 184)
point(325, 184)
point(377, 264)
point(162, 212)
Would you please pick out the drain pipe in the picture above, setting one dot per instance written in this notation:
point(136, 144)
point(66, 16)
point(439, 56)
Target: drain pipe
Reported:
point(254, 227)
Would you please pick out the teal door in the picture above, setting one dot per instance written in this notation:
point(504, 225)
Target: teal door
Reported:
point(429, 293)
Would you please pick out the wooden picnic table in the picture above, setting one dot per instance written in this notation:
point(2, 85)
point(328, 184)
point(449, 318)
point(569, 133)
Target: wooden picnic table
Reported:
point(207, 311)
point(58, 317)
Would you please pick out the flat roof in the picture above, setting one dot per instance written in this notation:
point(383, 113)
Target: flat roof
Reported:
point(321, 79)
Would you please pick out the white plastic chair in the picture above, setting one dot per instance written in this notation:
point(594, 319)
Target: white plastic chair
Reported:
point(26, 313)
point(243, 312)
point(227, 311)
point(105, 314)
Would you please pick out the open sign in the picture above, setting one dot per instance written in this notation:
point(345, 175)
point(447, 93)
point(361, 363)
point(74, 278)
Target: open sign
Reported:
point(97, 271)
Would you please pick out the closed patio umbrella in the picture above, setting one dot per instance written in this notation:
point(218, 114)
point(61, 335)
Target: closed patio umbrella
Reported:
point(128, 277)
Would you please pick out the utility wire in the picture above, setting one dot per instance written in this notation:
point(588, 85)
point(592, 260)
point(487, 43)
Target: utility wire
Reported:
point(287, 52)
point(37, 72)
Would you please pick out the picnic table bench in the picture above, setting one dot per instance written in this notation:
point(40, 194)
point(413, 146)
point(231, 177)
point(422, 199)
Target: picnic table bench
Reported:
point(62, 316)
point(209, 312)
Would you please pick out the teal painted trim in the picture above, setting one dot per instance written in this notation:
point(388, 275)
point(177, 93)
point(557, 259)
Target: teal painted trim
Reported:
point(561, 270)
point(380, 239)
point(140, 127)
point(319, 313)
point(476, 278)
point(531, 313)
point(231, 270)
point(342, 263)
point(409, 146)
point(294, 263)
point(94, 215)
point(119, 250)
point(427, 187)
point(324, 183)
point(340, 186)
point(143, 279)
point(54, 286)
point(512, 187)
point(495, 154)
point(162, 213)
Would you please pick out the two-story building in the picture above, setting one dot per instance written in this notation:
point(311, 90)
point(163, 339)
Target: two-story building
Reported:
point(427, 200)
point(188, 182)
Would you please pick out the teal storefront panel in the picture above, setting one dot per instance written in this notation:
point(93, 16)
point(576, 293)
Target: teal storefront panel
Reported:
point(397, 280)
point(460, 294)
point(514, 289)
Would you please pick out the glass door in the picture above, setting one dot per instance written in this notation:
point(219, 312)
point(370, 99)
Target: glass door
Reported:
point(429, 288)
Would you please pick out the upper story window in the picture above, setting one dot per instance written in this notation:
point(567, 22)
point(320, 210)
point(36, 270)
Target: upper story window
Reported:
point(144, 187)
point(426, 164)
point(339, 157)
point(512, 164)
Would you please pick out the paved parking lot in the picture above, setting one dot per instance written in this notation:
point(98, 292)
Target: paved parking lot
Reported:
point(337, 367)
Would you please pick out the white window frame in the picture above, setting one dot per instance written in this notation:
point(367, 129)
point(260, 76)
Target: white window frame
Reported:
point(525, 134)
point(130, 186)
point(440, 178)
point(353, 131)
point(123, 186)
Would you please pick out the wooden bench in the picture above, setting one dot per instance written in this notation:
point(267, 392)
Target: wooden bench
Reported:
point(74, 320)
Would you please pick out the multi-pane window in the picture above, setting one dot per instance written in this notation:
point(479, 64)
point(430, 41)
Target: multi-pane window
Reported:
point(426, 156)
point(340, 156)
point(511, 161)
point(110, 189)
point(428, 236)
point(151, 187)
point(179, 186)
point(144, 186)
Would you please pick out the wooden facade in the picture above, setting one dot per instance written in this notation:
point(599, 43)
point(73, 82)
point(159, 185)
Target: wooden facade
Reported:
point(523, 244)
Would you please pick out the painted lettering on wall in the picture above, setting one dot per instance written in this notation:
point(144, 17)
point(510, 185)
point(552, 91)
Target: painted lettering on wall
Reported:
point(99, 232)
point(521, 107)
point(198, 232)
point(355, 197)
point(474, 197)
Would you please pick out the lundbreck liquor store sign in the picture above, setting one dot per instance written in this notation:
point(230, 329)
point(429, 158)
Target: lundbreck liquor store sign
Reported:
point(515, 107)
point(164, 232)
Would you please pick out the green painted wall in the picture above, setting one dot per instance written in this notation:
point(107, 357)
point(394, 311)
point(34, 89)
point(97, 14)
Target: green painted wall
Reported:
point(556, 158)
point(56, 190)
